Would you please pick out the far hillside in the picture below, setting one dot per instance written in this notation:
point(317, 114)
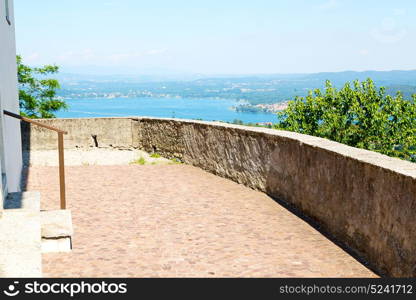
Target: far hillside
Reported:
point(254, 89)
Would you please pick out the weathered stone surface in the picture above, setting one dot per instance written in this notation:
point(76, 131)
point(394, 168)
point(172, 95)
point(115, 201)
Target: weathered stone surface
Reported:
point(20, 246)
point(180, 221)
point(364, 199)
point(82, 133)
point(56, 223)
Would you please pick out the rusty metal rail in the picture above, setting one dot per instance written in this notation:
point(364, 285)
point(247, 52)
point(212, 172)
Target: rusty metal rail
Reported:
point(60, 150)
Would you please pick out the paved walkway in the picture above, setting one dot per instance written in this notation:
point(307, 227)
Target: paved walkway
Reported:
point(177, 220)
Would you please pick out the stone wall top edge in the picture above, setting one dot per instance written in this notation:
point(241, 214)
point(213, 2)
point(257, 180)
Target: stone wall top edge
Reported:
point(394, 164)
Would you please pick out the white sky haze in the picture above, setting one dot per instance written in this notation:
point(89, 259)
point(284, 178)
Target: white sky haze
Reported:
point(218, 37)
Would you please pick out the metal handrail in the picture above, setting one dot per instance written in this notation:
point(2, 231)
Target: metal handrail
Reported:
point(33, 122)
point(60, 151)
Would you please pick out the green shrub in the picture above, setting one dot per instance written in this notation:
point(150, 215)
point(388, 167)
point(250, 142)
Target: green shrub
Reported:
point(175, 161)
point(139, 161)
point(37, 93)
point(359, 115)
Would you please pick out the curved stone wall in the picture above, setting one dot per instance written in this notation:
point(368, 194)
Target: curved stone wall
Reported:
point(365, 200)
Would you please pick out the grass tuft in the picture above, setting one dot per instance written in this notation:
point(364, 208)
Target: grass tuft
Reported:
point(175, 161)
point(139, 161)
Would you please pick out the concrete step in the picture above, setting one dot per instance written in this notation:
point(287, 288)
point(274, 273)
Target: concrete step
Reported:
point(20, 236)
point(26, 232)
point(20, 244)
point(56, 230)
point(56, 223)
point(24, 200)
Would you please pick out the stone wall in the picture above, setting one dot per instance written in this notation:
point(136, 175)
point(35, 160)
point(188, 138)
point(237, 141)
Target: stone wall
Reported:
point(365, 200)
point(82, 133)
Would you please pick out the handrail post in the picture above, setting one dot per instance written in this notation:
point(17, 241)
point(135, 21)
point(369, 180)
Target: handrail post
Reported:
point(61, 169)
point(60, 150)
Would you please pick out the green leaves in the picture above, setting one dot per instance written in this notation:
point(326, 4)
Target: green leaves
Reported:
point(37, 94)
point(359, 115)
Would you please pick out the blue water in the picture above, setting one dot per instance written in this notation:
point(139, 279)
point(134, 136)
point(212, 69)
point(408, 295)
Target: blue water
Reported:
point(185, 108)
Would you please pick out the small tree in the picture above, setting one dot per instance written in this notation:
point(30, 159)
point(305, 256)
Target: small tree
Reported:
point(37, 94)
point(360, 116)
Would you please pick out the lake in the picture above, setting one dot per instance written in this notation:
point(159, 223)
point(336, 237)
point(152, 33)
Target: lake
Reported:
point(185, 108)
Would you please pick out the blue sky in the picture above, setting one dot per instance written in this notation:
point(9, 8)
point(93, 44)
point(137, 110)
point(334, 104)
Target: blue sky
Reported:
point(218, 37)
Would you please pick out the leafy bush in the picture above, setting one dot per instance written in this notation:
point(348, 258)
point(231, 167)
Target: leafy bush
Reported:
point(175, 161)
point(359, 115)
point(140, 161)
point(37, 94)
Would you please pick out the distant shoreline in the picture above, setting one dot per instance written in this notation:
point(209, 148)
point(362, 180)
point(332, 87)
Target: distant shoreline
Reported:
point(186, 108)
point(262, 108)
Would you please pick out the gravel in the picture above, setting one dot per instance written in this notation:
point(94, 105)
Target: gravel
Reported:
point(95, 156)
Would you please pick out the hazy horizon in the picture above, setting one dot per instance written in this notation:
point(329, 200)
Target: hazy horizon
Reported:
point(104, 71)
point(217, 37)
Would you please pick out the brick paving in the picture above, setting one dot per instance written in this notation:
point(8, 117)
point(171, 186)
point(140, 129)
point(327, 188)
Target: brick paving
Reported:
point(180, 221)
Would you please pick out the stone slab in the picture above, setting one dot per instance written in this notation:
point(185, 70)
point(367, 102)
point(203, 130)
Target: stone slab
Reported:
point(20, 246)
point(56, 245)
point(56, 223)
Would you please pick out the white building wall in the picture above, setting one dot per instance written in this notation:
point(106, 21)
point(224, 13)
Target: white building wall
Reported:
point(10, 144)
